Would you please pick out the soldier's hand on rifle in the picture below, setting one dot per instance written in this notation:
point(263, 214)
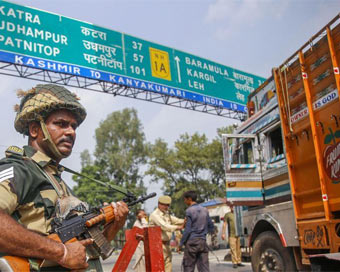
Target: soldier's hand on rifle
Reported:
point(121, 211)
point(74, 256)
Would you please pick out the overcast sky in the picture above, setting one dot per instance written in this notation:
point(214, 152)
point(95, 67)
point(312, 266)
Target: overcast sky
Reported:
point(249, 35)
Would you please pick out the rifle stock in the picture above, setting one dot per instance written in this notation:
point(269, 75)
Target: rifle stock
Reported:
point(14, 264)
point(22, 264)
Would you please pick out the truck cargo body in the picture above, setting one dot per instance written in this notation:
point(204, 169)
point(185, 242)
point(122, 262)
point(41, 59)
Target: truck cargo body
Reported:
point(308, 85)
point(283, 163)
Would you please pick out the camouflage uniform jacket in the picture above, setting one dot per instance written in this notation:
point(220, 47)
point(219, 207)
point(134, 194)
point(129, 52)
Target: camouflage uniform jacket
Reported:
point(26, 192)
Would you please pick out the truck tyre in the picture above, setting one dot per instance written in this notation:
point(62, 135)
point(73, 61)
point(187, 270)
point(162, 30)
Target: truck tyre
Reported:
point(268, 254)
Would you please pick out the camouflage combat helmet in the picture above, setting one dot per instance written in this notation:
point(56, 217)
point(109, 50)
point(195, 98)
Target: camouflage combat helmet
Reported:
point(37, 103)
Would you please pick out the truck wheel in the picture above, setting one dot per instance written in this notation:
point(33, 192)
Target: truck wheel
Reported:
point(269, 255)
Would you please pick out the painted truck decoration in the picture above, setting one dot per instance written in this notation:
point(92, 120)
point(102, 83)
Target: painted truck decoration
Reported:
point(249, 173)
point(283, 163)
point(331, 155)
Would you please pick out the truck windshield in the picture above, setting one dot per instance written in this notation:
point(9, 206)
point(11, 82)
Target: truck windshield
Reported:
point(275, 143)
point(243, 152)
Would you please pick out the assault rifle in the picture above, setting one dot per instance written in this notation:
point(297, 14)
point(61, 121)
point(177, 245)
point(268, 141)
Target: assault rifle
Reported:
point(88, 225)
point(78, 227)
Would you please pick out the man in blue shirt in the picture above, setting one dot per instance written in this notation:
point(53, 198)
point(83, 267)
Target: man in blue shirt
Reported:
point(198, 224)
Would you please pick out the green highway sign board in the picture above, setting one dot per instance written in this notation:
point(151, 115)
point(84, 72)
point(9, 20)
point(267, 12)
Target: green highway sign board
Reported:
point(47, 41)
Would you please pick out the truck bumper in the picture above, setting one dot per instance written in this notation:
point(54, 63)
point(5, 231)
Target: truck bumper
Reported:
point(325, 262)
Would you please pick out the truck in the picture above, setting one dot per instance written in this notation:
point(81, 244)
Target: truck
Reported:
point(282, 163)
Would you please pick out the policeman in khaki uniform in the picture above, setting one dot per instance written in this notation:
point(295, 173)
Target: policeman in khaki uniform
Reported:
point(168, 223)
point(32, 192)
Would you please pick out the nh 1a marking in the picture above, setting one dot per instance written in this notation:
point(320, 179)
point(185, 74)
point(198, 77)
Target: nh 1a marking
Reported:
point(160, 64)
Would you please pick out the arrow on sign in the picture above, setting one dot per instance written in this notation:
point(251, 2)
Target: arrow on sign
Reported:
point(178, 70)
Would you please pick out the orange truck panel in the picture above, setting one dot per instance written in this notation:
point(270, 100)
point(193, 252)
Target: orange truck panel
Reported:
point(308, 87)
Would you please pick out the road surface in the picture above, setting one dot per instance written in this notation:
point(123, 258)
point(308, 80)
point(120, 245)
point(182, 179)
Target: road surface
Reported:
point(216, 262)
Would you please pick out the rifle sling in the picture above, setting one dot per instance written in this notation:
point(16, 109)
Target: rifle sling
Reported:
point(114, 187)
point(56, 185)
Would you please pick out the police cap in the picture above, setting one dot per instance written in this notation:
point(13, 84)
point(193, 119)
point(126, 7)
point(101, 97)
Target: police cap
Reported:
point(164, 200)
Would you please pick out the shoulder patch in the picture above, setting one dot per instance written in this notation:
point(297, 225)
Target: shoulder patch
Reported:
point(14, 150)
point(6, 174)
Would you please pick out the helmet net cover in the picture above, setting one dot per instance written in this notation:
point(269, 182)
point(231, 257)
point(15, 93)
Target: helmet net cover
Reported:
point(41, 101)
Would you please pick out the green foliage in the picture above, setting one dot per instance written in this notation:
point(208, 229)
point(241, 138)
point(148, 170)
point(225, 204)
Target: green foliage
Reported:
point(121, 151)
point(89, 191)
point(193, 164)
point(85, 158)
point(226, 130)
point(121, 147)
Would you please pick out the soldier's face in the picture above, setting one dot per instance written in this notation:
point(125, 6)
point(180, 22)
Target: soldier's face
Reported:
point(61, 125)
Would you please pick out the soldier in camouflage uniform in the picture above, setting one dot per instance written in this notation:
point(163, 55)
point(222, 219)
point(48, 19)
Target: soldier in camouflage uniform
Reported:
point(31, 188)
